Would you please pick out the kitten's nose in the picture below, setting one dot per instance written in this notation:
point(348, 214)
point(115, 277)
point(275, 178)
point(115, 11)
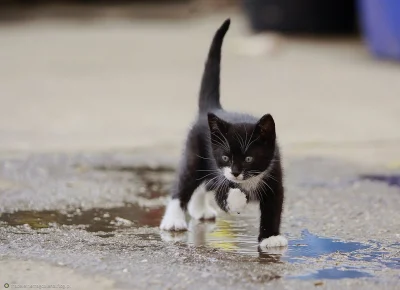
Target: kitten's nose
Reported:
point(236, 172)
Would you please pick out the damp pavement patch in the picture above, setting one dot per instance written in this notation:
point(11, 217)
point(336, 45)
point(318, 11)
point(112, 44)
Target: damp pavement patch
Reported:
point(121, 240)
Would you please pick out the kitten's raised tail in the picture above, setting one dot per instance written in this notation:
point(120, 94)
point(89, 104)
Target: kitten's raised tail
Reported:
point(209, 90)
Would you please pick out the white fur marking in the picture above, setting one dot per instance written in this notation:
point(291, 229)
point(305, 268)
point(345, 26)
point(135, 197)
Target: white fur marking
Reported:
point(198, 207)
point(227, 171)
point(274, 241)
point(236, 200)
point(174, 217)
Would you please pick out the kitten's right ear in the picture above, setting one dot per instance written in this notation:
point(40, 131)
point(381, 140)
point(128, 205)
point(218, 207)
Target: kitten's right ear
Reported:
point(266, 127)
point(216, 124)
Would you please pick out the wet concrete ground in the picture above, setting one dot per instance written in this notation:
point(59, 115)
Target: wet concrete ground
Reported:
point(106, 85)
point(99, 214)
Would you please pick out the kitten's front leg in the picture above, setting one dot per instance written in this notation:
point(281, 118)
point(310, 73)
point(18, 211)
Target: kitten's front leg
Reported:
point(231, 200)
point(236, 200)
point(270, 220)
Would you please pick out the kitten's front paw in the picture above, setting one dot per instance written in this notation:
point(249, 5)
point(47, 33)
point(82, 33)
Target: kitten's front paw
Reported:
point(174, 218)
point(274, 241)
point(236, 200)
point(173, 224)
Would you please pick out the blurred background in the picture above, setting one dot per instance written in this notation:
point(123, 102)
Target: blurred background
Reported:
point(110, 75)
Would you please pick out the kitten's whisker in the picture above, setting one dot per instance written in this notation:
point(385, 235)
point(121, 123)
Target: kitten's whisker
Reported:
point(208, 170)
point(245, 141)
point(261, 191)
point(218, 137)
point(220, 144)
point(259, 195)
point(226, 141)
point(268, 186)
point(273, 178)
point(203, 157)
point(247, 145)
point(220, 182)
point(205, 176)
point(211, 180)
point(240, 140)
point(223, 142)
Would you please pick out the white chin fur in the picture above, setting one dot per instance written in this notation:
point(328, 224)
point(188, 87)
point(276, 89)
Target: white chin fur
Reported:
point(236, 200)
point(274, 241)
point(227, 171)
point(174, 218)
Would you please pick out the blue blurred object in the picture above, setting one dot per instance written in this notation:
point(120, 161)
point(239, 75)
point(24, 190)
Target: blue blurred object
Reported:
point(380, 22)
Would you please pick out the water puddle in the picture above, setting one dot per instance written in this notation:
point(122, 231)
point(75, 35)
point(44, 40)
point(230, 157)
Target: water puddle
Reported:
point(146, 212)
point(332, 273)
point(391, 180)
point(331, 258)
point(338, 259)
point(93, 220)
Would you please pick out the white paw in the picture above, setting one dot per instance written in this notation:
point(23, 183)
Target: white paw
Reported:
point(236, 200)
point(174, 218)
point(274, 241)
point(173, 224)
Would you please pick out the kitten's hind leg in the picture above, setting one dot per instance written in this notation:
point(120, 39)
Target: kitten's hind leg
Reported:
point(174, 218)
point(186, 183)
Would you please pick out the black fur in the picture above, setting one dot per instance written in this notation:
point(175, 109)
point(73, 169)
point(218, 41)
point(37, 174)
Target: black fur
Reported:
point(217, 133)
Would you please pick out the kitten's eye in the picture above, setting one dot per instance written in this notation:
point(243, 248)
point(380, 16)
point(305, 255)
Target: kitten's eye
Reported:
point(225, 158)
point(249, 159)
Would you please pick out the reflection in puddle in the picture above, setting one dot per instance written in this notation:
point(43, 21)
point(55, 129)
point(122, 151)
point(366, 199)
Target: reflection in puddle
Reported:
point(312, 246)
point(238, 234)
point(332, 273)
point(147, 212)
point(94, 220)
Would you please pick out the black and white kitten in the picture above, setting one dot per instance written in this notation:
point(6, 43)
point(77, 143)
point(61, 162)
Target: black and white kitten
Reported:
point(233, 155)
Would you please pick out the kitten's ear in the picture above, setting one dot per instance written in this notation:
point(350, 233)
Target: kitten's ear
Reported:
point(216, 124)
point(266, 127)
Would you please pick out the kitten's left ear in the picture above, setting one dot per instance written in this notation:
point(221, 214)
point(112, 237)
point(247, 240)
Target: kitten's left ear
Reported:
point(266, 126)
point(216, 124)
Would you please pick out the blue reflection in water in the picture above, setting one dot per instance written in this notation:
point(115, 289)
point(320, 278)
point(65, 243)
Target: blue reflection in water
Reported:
point(238, 235)
point(332, 273)
point(314, 246)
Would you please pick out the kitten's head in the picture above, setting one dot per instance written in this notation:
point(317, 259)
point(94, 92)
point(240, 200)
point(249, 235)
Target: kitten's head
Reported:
point(243, 150)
